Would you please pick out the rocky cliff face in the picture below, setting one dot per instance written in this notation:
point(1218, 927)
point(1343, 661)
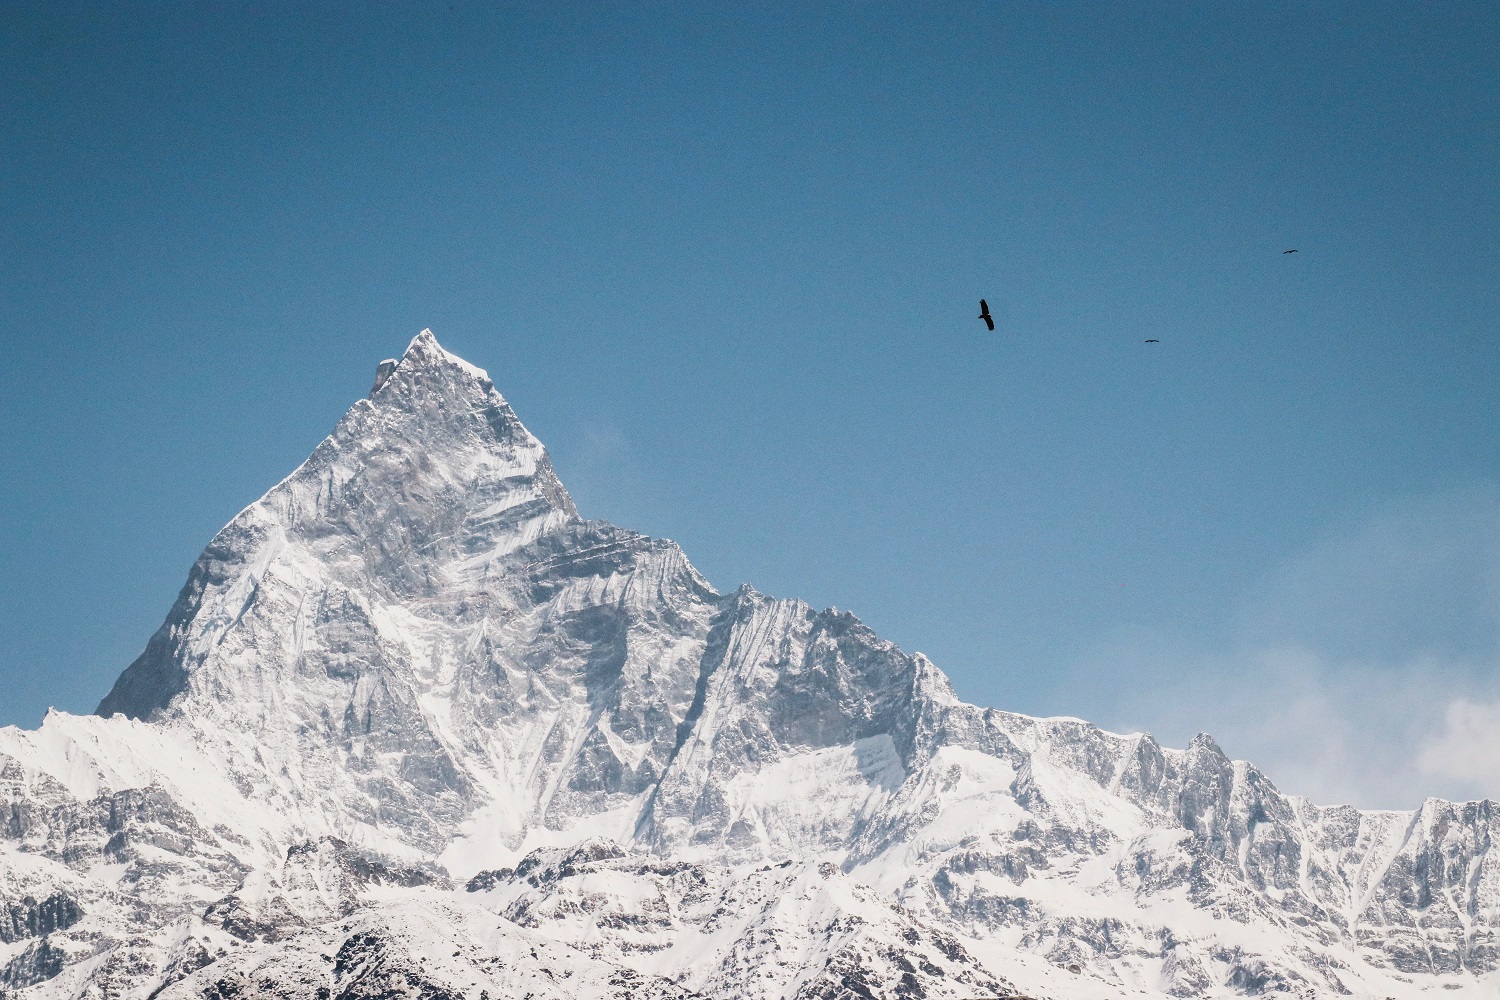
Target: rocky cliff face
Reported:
point(415, 728)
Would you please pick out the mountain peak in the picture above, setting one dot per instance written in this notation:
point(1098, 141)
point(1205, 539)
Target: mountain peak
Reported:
point(424, 341)
point(430, 482)
point(424, 350)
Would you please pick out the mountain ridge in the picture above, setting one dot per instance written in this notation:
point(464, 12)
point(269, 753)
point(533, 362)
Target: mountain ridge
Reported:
point(412, 654)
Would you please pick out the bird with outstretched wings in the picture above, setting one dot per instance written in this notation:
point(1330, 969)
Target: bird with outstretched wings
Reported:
point(984, 314)
point(1288, 251)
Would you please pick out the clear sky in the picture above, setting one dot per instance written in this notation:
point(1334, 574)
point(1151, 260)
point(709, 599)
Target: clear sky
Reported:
point(725, 260)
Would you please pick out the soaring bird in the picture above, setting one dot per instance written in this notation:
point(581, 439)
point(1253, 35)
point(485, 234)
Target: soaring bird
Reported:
point(984, 314)
point(1288, 251)
point(1153, 342)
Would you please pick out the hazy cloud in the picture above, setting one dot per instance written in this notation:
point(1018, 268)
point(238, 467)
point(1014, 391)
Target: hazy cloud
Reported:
point(1367, 670)
point(1467, 750)
point(1420, 578)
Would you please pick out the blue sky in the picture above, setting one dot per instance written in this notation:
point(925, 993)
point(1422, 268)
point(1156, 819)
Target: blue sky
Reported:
point(726, 264)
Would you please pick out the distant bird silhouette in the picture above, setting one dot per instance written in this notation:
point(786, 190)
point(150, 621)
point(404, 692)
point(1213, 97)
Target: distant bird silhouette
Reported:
point(1288, 251)
point(1153, 342)
point(984, 314)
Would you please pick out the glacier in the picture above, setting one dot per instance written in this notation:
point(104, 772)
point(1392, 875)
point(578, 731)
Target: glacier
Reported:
point(415, 728)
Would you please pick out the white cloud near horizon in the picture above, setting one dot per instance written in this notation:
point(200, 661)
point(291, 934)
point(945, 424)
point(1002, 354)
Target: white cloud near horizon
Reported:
point(1367, 670)
point(1467, 750)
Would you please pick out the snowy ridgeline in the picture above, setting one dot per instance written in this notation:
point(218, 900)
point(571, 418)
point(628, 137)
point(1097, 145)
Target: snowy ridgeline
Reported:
point(414, 728)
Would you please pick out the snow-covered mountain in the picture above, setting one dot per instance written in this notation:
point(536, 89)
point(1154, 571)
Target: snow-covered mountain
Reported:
point(415, 728)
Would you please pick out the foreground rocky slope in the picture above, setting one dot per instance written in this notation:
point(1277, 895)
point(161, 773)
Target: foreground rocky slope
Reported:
point(415, 728)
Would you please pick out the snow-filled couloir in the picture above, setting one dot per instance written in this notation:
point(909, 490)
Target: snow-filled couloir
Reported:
point(415, 728)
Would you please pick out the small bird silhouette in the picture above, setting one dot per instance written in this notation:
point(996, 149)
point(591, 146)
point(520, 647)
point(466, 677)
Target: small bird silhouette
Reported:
point(1288, 251)
point(984, 314)
point(1153, 342)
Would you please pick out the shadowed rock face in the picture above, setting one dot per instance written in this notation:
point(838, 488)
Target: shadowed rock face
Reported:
point(37, 964)
point(412, 661)
point(150, 683)
point(29, 918)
